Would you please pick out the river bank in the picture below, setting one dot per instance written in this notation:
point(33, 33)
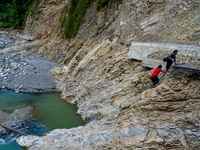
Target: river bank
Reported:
point(33, 107)
point(33, 114)
point(21, 70)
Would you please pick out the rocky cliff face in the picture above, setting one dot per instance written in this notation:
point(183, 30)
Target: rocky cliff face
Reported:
point(113, 92)
point(166, 117)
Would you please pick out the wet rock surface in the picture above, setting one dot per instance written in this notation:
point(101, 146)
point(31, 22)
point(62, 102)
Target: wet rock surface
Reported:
point(23, 71)
point(15, 119)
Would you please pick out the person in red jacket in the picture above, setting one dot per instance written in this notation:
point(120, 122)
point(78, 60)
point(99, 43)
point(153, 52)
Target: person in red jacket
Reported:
point(154, 76)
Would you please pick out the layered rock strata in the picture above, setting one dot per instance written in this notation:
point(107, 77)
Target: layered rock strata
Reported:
point(112, 92)
point(165, 117)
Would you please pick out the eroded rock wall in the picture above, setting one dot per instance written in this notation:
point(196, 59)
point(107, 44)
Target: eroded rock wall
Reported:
point(113, 92)
point(157, 21)
point(44, 28)
point(165, 117)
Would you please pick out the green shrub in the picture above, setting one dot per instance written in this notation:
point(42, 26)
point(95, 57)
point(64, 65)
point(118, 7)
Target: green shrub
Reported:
point(6, 25)
point(101, 3)
point(73, 15)
point(16, 11)
point(21, 11)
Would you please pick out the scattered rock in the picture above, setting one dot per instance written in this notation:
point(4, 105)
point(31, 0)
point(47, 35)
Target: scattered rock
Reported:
point(15, 119)
point(16, 73)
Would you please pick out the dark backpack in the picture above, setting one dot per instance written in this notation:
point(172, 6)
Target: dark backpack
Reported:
point(165, 59)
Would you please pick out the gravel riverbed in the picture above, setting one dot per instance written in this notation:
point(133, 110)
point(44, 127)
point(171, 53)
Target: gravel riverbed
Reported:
point(21, 70)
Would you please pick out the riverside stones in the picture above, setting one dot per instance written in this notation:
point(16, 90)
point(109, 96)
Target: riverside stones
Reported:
point(15, 119)
point(23, 71)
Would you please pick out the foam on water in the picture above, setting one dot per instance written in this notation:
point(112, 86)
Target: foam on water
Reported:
point(2, 142)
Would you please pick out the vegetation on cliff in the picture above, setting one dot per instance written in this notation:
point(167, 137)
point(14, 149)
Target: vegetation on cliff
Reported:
point(73, 14)
point(13, 13)
point(102, 3)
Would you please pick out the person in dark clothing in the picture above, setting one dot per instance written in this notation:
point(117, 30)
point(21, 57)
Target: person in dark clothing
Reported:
point(154, 76)
point(170, 61)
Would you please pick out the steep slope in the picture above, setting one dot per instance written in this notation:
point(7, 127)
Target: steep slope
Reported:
point(112, 92)
point(166, 117)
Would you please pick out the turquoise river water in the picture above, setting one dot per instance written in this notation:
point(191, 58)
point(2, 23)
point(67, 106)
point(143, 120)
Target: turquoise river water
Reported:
point(50, 112)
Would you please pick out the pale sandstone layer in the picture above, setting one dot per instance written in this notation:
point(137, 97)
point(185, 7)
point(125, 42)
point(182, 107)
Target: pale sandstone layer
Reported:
point(112, 92)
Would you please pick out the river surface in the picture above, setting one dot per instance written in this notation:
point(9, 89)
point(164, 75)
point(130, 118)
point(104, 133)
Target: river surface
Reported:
point(49, 112)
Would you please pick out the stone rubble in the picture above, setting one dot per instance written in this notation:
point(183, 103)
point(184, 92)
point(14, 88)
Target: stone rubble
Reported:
point(15, 119)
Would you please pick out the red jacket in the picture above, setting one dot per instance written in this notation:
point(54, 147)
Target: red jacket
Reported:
point(156, 72)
